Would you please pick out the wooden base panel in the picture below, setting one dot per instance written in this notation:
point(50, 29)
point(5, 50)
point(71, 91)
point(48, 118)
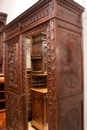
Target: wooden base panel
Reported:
point(3, 121)
point(3, 128)
point(39, 126)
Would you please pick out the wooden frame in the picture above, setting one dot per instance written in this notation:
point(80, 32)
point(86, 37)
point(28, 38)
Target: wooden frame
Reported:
point(63, 24)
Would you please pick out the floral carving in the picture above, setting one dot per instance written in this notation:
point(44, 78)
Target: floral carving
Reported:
point(12, 66)
point(52, 92)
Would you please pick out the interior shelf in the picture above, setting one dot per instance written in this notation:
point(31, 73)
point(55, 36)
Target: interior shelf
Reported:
point(2, 94)
point(2, 100)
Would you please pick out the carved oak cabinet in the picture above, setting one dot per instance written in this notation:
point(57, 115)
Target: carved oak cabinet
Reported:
point(61, 20)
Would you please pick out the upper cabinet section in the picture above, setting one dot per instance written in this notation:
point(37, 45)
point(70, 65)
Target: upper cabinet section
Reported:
point(43, 11)
point(38, 55)
point(69, 11)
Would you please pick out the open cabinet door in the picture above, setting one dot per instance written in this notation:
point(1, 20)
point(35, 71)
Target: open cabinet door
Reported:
point(15, 85)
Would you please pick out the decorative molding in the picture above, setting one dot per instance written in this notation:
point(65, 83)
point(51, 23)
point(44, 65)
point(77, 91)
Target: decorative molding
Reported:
point(36, 29)
point(36, 17)
point(71, 4)
point(51, 78)
point(13, 30)
point(47, 11)
point(29, 21)
point(51, 8)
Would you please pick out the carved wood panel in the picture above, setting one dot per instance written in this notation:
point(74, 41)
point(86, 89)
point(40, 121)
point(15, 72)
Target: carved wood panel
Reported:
point(15, 84)
point(70, 63)
point(70, 118)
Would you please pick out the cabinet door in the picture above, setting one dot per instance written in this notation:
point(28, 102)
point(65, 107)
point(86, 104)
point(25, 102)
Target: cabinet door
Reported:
point(15, 85)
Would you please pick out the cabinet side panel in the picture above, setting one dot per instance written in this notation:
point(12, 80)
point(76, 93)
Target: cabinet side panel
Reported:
point(69, 67)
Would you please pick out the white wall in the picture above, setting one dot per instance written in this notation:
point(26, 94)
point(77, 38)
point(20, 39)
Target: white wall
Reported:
point(84, 3)
point(15, 7)
point(85, 66)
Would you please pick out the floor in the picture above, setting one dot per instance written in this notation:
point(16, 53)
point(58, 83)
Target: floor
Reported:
point(2, 120)
point(30, 127)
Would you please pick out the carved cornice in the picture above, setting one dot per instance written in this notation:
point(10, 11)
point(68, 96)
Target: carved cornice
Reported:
point(21, 22)
point(29, 21)
point(28, 12)
point(72, 5)
point(36, 17)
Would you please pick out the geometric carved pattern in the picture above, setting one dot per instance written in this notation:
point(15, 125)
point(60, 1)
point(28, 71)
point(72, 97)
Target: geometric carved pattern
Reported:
point(14, 113)
point(51, 77)
point(70, 66)
point(13, 101)
point(36, 17)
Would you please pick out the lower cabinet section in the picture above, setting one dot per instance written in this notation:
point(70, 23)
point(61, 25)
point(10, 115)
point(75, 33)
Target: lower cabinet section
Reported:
point(2, 104)
point(2, 120)
point(39, 108)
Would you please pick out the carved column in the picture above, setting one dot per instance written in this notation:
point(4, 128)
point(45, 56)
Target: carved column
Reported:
point(2, 24)
point(52, 86)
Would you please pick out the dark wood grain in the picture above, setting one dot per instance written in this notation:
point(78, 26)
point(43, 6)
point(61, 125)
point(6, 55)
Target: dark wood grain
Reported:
point(61, 20)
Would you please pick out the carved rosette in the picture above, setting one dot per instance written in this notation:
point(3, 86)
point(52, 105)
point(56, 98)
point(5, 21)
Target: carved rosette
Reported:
point(51, 69)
